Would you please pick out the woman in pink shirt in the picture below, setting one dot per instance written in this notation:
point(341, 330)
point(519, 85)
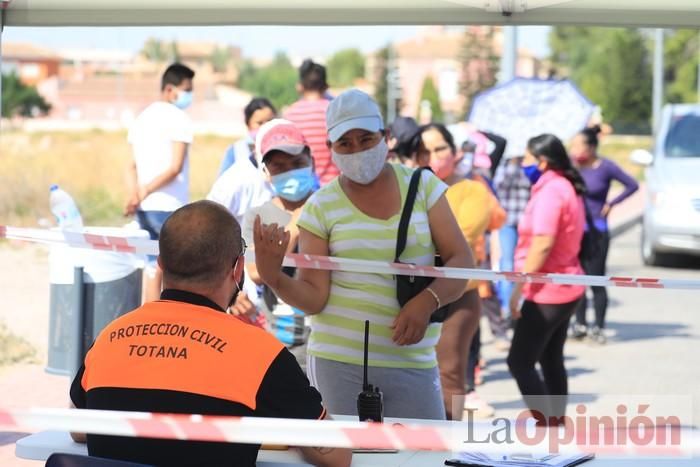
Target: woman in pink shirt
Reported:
point(549, 241)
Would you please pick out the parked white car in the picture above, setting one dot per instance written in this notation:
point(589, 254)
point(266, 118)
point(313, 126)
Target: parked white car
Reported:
point(671, 221)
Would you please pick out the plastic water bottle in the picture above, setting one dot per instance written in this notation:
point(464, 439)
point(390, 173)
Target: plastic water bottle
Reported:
point(65, 209)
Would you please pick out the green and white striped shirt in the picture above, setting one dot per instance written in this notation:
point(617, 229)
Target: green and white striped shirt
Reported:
point(337, 333)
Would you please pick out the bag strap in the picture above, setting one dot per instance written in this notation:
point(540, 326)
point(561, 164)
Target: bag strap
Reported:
point(407, 211)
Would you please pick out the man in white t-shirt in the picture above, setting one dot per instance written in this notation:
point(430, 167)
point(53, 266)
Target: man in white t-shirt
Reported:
point(158, 177)
point(241, 187)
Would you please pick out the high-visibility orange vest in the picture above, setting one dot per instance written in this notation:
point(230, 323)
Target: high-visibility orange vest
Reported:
point(178, 346)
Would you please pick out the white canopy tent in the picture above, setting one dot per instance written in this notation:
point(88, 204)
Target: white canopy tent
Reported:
point(632, 13)
point(649, 13)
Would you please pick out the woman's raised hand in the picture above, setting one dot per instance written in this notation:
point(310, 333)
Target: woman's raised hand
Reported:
point(271, 243)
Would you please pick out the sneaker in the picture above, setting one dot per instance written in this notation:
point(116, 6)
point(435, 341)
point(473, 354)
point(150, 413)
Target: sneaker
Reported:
point(579, 331)
point(478, 407)
point(597, 335)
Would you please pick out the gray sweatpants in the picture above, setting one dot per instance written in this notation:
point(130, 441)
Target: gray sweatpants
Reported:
point(408, 392)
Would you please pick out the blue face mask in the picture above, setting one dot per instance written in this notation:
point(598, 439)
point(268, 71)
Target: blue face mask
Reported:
point(184, 99)
point(294, 185)
point(532, 172)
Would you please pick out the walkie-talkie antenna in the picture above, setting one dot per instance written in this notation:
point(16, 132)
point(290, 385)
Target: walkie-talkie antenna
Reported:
point(365, 384)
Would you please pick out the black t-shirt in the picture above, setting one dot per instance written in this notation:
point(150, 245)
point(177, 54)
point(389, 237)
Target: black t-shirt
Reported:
point(284, 392)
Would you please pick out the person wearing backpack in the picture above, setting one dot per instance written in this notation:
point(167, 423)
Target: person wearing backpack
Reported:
point(549, 241)
point(598, 173)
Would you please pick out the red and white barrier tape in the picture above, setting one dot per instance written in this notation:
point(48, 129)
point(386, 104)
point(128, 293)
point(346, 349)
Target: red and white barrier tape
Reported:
point(81, 239)
point(443, 436)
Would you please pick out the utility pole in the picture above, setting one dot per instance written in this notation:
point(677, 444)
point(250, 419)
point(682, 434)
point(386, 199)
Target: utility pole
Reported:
point(699, 66)
point(392, 77)
point(658, 88)
point(3, 5)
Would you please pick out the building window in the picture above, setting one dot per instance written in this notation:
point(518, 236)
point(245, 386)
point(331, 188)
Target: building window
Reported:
point(30, 70)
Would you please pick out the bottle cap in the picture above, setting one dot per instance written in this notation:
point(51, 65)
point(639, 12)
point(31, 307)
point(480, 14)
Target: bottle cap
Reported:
point(53, 187)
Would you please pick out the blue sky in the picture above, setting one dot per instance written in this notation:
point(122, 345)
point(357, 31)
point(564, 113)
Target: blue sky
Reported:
point(255, 41)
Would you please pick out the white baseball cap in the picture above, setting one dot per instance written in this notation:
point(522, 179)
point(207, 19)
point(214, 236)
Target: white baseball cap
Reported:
point(353, 109)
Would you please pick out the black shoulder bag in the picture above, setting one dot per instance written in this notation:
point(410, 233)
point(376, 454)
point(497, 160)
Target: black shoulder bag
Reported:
point(408, 287)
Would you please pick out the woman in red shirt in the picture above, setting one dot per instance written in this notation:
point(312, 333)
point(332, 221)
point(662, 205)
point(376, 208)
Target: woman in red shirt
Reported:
point(549, 241)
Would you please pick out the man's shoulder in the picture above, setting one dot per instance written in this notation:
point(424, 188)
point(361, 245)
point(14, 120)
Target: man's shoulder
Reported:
point(305, 105)
point(159, 110)
point(242, 174)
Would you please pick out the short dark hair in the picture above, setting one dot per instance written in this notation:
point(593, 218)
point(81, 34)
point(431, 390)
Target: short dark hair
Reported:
point(175, 74)
point(312, 76)
point(199, 244)
point(256, 104)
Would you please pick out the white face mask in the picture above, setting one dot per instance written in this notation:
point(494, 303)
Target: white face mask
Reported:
point(362, 167)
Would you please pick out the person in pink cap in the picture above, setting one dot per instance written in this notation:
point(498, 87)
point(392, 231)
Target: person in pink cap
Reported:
point(284, 156)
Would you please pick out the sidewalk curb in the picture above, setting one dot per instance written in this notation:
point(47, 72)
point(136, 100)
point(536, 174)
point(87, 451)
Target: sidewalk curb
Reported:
point(625, 226)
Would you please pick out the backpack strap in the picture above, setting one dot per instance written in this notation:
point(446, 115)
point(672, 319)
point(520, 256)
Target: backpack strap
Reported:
point(407, 212)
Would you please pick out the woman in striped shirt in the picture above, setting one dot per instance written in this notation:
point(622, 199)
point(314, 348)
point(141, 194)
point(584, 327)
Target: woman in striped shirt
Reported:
point(356, 217)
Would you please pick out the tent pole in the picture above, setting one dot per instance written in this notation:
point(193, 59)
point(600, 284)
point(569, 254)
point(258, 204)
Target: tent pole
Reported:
point(2, 27)
point(509, 53)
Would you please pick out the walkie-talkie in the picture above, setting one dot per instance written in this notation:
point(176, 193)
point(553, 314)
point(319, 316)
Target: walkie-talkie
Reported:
point(370, 405)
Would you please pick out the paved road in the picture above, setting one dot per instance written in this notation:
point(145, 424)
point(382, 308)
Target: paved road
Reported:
point(652, 349)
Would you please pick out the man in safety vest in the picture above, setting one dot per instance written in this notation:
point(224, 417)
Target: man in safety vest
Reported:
point(185, 354)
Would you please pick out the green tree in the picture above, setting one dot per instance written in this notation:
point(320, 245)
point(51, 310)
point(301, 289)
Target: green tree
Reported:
point(173, 54)
point(20, 99)
point(611, 67)
point(220, 59)
point(430, 93)
point(480, 63)
point(154, 51)
point(345, 66)
point(681, 55)
point(275, 81)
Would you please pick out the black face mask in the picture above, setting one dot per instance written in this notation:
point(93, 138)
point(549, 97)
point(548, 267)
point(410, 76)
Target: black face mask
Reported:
point(239, 289)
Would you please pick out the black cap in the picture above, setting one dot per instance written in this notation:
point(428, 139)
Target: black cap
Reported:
point(404, 129)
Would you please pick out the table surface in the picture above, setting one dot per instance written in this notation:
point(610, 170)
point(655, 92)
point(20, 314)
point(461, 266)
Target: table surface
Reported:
point(39, 446)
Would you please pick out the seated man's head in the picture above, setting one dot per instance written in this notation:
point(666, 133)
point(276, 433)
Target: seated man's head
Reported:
point(281, 149)
point(201, 251)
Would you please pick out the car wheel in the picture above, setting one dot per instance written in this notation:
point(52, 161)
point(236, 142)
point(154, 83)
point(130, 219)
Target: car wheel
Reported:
point(650, 257)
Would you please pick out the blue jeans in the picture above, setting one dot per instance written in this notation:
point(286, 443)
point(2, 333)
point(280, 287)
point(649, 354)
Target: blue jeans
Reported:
point(508, 237)
point(152, 222)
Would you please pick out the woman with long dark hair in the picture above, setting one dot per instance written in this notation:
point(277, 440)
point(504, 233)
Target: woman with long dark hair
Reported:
point(476, 210)
point(549, 241)
point(598, 173)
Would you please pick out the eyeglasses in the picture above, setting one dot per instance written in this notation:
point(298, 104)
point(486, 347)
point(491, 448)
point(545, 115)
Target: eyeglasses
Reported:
point(244, 247)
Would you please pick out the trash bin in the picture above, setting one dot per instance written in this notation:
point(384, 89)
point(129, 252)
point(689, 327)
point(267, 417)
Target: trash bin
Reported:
point(108, 285)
